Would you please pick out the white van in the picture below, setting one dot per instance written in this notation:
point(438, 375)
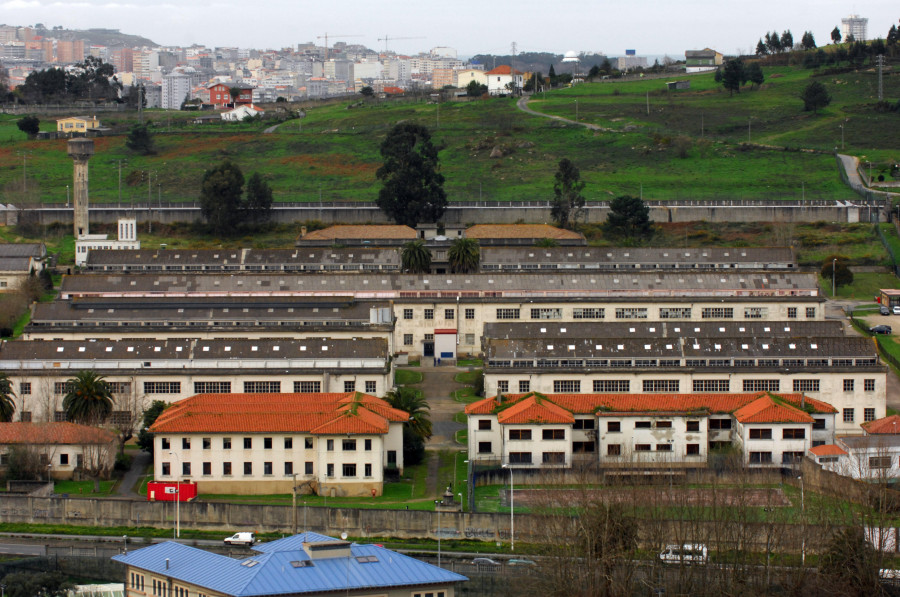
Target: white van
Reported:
point(689, 553)
point(241, 539)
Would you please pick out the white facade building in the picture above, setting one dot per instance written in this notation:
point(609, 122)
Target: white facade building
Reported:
point(127, 240)
point(176, 88)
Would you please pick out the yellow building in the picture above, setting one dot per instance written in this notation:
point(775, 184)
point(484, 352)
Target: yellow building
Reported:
point(77, 124)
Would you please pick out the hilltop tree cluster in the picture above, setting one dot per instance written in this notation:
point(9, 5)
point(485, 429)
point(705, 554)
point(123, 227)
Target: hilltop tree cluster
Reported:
point(777, 44)
point(734, 74)
point(222, 200)
point(92, 80)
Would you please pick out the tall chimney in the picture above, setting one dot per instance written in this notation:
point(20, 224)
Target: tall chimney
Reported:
point(81, 150)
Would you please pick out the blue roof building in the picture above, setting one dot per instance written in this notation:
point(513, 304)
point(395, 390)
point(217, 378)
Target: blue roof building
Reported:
point(307, 564)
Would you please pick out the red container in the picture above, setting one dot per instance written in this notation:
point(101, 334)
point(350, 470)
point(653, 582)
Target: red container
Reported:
point(158, 491)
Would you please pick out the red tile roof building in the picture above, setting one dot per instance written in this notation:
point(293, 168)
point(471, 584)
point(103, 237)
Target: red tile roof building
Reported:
point(62, 447)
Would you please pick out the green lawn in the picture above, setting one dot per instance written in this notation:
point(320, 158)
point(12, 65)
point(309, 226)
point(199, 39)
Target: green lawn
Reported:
point(865, 286)
point(79, 488)
point(403, 377)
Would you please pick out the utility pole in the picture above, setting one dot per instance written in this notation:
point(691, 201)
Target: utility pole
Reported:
point(120, 181)
point(141, 103)
point(879, 60)
point(294, 505)
point(648, 103)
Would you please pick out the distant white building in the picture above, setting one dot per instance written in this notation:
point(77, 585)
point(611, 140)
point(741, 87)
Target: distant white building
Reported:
point(631, 62)
point(242, 112)
point(856, 26)
point(176, 88)
point(127, 240)
point(874, 456)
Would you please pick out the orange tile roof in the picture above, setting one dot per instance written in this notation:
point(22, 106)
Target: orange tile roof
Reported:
point(620, 403)
point(827, 450)
point(766, 409)
point(329, 413)
point(887, 425)
point(534, 410)
point(521, 231)
point(503, 69)
point(385, 232)
point(53, 433)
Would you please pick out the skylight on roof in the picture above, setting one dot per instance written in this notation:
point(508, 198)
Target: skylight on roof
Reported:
point(302, 564)
point(249, 563)
point(366, 559)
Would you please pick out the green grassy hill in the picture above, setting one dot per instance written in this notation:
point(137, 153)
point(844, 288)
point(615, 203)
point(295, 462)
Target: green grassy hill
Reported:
point(333, 153)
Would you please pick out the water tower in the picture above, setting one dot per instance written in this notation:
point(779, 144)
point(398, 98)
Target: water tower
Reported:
point(81, 150)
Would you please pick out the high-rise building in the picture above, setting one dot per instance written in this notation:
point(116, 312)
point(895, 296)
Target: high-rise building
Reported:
point(69, 52)
point(856, 26)
point(176, 88)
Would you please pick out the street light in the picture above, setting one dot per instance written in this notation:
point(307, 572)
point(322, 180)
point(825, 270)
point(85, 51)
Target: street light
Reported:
point(512, 510)
point(833, 277)
point(177, 499)
point(436, 504)
point(803, 515)
point(842, 135)
point(576, 110)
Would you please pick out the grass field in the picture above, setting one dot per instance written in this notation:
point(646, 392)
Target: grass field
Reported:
point(689, 145)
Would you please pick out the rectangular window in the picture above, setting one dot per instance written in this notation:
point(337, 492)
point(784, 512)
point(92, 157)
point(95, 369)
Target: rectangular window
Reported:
point(692, 449)
point(584, 424)
point(64, 459)
point(25, 388)
point(368, 470)
point(507, 314)
point(407, 339)
point(329, 470)
point(631, 313)
point(186, 469)
point(165, 443)
point(248, 443)
point(307, 443)
point(756, 312)
point(226, 443)
point(719, 424)
point(308, 387)
point(288, 468)
point(717, 313)
point(642, 447)
point(248, 468)
point(868, 414)
point(553, 434)
point(660, 385)
point(712, 385)
point(613, 449)
point(879, 462)
point(760, 457)
point(429, 313)
point(663, 447)
point(307, 468)
point(664, 424)
point(848, 385)
point(484, 424)
point(267, 468)
point(350, 386)
point(553, 457)
point(212, 387)
point(588, 313)
point(329, 445)
point(793, 433)
point(367, 445)
point(675, 313)
point(262, 387)
point(692, 426)
point(166, 469)
point(546, 313)
point(207, 469)
point(792, 313)
point(470, 314)
point(612, 386)
point(348, 445)
point(185, 443)
point(759, 433)
point(371, 387)
point(288, 443)
point(643, 424)
point(162, 387)
point(566, 386)
point(806, 385)
point(407, 314)
point(583, 447)
point(818, 423)
point(449, 313)
point(810, 312)
point(502, 386)
point(60, 387)
point(348, 470)
point(119, 387)
point(520, 434)
point(267, 443)
point(207, 443)
point(869, 385)
point(761, 385)
point(484, 448)
point(848, 415)
point(614, 427)
point(791, 457)
point(524, 386)
point(520, 457)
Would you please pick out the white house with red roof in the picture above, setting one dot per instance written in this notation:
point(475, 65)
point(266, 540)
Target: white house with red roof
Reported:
point(61, 447)
point(644, 430)
point(874, 456)
point(241, 112)
point(502, 78)
point(334, 444)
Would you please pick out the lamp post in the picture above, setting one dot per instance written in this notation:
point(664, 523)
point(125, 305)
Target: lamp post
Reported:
point(470, 485)
point(803, 515)
point(49, 467)
point(833, 277)
point(67, 195)
point(125, 544)
point(177, 499)
point(436, 504)
point(512, 510)
point(576, 110)
point(842, 135)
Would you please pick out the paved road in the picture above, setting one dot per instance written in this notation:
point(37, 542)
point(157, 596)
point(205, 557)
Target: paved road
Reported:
point(522, 105)
point(22, 549)
point(138, 466)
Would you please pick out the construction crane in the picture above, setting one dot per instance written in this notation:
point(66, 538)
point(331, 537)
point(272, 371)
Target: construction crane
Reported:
point(386, 39)
point(326, 36)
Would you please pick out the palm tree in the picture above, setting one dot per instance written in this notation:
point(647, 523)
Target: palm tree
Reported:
point(415, 257)
point(7, 404)
point(464, 255)
point(88, 398)
point(411, 401)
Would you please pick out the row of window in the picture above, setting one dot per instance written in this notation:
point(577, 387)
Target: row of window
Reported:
point(849, 415)
point(347, 469)
point(347, 445)
point(766, 457)
point(449, 314)
point(468, 339)
point(703, 386)
point(250, 387)
point(630, 363)
point(766, 433)
point(633, 313)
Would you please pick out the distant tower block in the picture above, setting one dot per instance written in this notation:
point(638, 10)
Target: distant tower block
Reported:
point(81, 150)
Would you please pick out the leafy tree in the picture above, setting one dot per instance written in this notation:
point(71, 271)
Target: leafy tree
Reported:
point(412, 186)
point(787, 41)
point(594, 72)
point(145, 438)
point(534, 83)
point(464, 255)
point(754, 73)
point(851, 564)
point(808, 41)
point(415, 257)
point(45, 85)
point(140, 140)
point(88, 399)
point(23, 463)
point(7, 403)
point(850, 38)
point(30, 125)
point(235, 94)
point(733, 75)
point(546, 243)
point(568, 202)
point(259, 198)
point(220, 197)
point(718, 76)
point(836, 35)
point(413, 447)
point(412, 402)
point(367, 91)
point(761, 49)
point(629, 218)
point(773, 42)
point(843, 276)
point(893, 35)
point(30, 584)
point(475, 89)
point(815, 96)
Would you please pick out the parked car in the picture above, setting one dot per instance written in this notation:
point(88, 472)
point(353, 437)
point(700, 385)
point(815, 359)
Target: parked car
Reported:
point(486, 563)
point(241, 539)
point(896, 310)
point(521, 562)
point(880, 329)
point(689, 553)
point(884, 310)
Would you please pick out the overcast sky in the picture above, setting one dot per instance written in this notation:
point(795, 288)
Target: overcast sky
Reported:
point(652, 27)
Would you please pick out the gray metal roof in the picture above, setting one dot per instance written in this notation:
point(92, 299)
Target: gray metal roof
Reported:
point(15, 264)
point(392, 285)
point(305, 259)
point(36, 250)
point(664, 329)
point(628, 258)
